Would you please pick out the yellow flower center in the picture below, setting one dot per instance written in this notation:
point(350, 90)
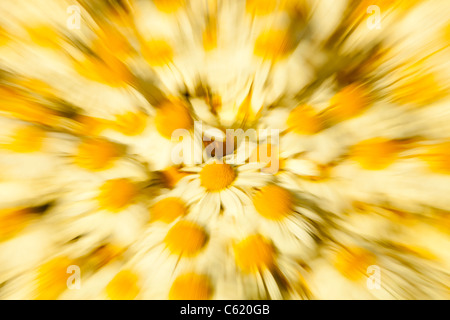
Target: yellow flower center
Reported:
point(420, 88)
point(130, 123)
point(186, 238)
point(36, 86)
point(52, 278)
point(12, 221)
point(171, 116)
point(191, 286)
point(124, 286)
point(89, 125)
point(272, 44)
point(260, 7)
point(273, 202)
point(157, 52)
point(254, 253)
point(353, 262)
point(446, 34)
point(304, 120)
point(210, 37)
point(107, 69)
point(347, 103)
point(44, 36)
point(117, 194)
point(217, 176)
point(375, 153)
point(20, 106)
point(168, 6)
point(168, 209)
point(96, 154)
point(4, 37)
point(443, 221)
point(114, 41)
point(26, 139)
point(438, 158)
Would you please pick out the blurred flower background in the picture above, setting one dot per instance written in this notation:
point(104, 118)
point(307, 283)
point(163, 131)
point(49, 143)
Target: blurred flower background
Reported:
point(349, 199)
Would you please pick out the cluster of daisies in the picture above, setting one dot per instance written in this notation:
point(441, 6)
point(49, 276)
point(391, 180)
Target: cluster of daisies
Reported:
point(342, 191)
